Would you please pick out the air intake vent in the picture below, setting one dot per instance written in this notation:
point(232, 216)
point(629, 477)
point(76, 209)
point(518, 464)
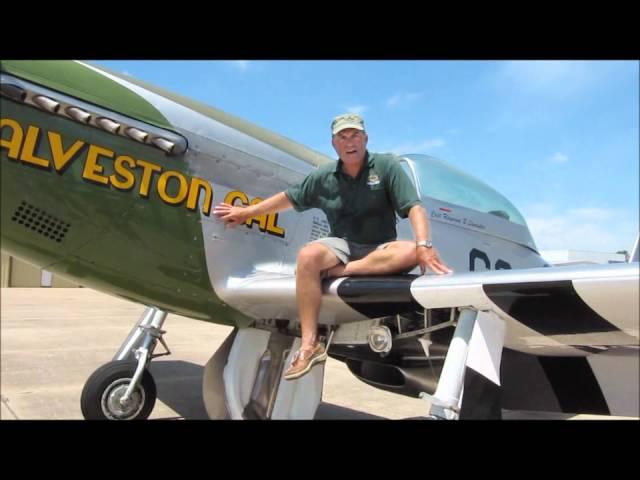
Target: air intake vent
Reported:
point(40, 222)
point(115, 123)
point(13, 91)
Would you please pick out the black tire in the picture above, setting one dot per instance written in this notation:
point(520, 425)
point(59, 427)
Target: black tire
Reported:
point(107, 383)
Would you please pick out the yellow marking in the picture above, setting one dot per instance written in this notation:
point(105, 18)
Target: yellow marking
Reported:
point(182, 191)
point(235, 195)
point(91, 167)
point(121, 171)
point(24, 146)
point(149, 168)
point(272, 226)
point(266, 223)
point(261, 220)
point(60, 157)
point(15, 142)
point(28, 151)
point(194, 193)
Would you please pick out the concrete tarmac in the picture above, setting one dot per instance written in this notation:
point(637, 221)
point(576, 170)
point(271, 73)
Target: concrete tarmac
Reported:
point(52, 339)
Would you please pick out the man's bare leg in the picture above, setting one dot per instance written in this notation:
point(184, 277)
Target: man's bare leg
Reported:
point(312, 261)
point(396, 257)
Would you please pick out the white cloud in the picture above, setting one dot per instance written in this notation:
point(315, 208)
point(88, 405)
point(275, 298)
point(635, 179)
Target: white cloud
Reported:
point(559, 158)
point(543, 74)
point(554, 78)
point(593, 229)
point(241, 65)
point(403, 98)
point(126, 72)
point(359, 109)
point(417, 147)
point(529, 93)
point(594, 213)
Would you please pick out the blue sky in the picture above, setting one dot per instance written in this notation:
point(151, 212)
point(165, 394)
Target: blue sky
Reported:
point(560, 139)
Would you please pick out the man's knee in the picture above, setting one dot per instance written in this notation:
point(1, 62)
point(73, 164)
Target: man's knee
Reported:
point(311, 257)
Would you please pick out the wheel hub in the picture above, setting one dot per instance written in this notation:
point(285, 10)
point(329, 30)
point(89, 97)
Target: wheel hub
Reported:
point(114, 408)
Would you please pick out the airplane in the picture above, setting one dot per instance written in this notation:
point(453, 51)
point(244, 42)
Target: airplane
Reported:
point(110, 182)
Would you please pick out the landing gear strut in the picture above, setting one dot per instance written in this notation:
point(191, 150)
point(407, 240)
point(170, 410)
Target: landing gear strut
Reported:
point(123, 389)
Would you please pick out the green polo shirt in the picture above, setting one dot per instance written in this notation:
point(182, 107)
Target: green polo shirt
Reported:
point(360, 209)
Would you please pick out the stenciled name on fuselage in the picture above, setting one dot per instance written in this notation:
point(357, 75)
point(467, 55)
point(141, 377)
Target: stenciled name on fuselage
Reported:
point(22, 143)
point(457, 220)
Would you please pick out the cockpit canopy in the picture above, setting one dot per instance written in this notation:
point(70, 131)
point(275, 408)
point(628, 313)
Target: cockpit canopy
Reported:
point(437, 179)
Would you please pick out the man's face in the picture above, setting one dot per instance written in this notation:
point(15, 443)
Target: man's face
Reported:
point(350, 144)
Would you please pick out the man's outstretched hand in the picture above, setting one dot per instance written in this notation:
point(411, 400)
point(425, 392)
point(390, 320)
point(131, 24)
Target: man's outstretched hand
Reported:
point(231, 215)
point(429, 258)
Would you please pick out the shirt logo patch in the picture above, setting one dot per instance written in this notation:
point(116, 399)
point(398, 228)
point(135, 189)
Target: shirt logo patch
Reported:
point(373, 180)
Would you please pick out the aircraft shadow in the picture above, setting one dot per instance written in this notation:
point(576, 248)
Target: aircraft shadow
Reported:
point(329, 411)
point(179, 385)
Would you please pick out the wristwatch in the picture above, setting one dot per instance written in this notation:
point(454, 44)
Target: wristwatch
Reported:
point(424, 243)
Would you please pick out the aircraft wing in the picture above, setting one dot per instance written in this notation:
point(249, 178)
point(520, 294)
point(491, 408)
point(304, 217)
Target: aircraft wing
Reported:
point(578, 306)
point(347, 299)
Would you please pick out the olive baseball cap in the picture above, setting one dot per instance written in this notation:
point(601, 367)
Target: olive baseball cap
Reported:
point(347, 120)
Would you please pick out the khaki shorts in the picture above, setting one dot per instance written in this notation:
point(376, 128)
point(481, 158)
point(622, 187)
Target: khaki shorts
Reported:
point(347, 251)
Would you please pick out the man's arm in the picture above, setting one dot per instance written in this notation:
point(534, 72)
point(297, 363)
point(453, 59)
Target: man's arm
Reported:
point(427, 257)
point(234, 215)
point(419, 223)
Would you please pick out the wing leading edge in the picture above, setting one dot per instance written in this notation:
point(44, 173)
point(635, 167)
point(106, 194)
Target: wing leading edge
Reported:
point(578, 305)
